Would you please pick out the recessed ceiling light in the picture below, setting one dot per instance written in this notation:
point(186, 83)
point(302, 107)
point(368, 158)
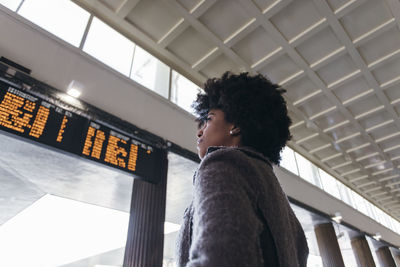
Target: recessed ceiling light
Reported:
point(337, 217)
point(74, 89)
point(377, 236)
point(74, 92)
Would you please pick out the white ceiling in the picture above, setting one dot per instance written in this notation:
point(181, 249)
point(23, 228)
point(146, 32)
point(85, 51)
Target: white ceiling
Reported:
point(339, 61)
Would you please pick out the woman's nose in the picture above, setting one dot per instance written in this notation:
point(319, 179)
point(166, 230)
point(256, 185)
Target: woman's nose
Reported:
point(200, 132)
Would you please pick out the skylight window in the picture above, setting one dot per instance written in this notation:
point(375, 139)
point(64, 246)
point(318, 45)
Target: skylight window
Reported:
point(150, 72)
point(183, 91)
point(307, 170)
point(288, 160)
point(109, 46)
point(330, 184)
point(62, 18)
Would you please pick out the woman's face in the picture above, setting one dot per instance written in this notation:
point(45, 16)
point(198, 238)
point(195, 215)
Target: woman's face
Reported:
point(215, 131)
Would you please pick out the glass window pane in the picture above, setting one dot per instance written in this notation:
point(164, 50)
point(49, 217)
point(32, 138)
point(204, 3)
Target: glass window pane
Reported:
point(307, 170)
point(367, 207)
point(183, 91)
point(62, 18)
point(376, 213)
point(11, 4)
point(390, 221)
point(344, 193)
point(54, 231)
point(373, 212)
point(314, 257)
point(150, 72)
point(397, 226)
point(374, 245)
point(109, 46)
point(288, 160)
point(60, 209)
point(179, 196)
point(360, 203)
point(386, 220)
point(329, 184)
point(379, 215)
point(345, 246)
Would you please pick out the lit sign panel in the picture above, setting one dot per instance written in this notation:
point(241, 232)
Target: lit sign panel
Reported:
point(36, 119)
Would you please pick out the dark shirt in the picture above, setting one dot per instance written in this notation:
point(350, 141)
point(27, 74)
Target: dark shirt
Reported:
point(239, 215)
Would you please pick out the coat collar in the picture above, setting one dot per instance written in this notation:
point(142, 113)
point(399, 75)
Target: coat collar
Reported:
point(247, 150)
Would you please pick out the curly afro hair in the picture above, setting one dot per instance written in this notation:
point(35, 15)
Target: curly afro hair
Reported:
point(252, 103)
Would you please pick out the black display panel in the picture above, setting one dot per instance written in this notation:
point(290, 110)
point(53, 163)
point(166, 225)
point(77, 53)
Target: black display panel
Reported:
point(31, 117)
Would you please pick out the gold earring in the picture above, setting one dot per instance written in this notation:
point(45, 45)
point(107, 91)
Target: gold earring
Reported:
point(231, 132)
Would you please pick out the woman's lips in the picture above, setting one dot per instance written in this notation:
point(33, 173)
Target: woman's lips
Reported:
point(199, 141)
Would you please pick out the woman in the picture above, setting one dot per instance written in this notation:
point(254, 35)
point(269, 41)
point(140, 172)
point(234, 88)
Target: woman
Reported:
point(239, 215)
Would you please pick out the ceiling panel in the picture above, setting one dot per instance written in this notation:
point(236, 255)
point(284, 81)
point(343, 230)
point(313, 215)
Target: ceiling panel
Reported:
point(280, 69)
point(355, 22)
point(112, 4)
point(335, 120)
point(189, 4)
point(145, 13)
point(337, 69)
point(295, 18)
point(387, 72)
point(383, 45)
point(301, 90)
point(353, 91)
point(337, 4)
point(393, 95)
point(319, 46)
point(255, 46)
point(219, 66)
point(376, 121)
point(190, 46)
point(265, 4)
point(317, 105)
point(224, 18)
point(366, 107)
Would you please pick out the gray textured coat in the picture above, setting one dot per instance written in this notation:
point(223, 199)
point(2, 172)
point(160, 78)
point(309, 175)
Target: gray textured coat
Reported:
point(239, 215)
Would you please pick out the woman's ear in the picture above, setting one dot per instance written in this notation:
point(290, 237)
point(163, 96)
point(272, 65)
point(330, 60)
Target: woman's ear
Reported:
point(234, 131)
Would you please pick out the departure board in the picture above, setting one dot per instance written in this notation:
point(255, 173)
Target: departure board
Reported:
point(31, 117)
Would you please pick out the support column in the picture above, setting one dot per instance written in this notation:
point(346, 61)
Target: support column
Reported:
point(328, 245)
point(385, 257)
point(362, 252)
point(397, 259)
point(144, 246)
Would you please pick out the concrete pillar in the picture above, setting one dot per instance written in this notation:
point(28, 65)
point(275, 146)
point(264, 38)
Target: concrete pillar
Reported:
point(144, 245)
point(396, 257)
point(362, 252)
point(328, 245)
point(385, 257)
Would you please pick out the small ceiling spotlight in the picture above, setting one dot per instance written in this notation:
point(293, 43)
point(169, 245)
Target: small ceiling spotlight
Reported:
point(74, 89)
point(377, 236)
point(337, 217)
point(74, 92)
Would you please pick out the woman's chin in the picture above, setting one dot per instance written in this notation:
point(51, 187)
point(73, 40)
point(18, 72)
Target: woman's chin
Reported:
point(201, 152)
